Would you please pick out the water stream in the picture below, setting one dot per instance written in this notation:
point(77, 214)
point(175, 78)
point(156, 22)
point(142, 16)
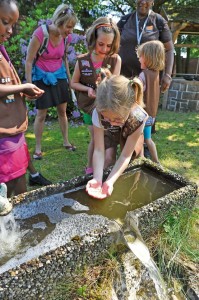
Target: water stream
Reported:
point(141, 251)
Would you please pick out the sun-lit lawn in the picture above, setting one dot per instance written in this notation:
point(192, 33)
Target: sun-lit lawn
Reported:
point(177, 140)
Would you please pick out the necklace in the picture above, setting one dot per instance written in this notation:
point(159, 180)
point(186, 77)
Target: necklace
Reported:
point(139, 34)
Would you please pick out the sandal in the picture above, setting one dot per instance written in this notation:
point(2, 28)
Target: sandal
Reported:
point(37, 156)
point(88, 170)
point(70, 148)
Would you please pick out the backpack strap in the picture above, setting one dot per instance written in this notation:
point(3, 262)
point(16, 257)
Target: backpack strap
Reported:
point(123, 21)
point(44, 44)
point(125, 18)
point(158, 20)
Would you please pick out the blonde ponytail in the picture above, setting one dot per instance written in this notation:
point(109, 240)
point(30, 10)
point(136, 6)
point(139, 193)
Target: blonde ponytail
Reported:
point(137, 86)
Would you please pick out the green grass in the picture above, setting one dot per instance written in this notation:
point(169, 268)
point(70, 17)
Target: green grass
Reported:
point(180, 235)
point(59, 164)
point(177, 141)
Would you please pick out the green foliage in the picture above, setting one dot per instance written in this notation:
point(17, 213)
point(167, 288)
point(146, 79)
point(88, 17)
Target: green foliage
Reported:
point(189, 39)
point(179, 235)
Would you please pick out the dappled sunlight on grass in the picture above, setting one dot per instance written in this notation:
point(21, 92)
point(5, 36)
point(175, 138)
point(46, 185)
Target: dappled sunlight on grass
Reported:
point(193, 144)
point(166, 125)
point(177, 143)
point(175, 164)
point(30, 135)
point(173, 137)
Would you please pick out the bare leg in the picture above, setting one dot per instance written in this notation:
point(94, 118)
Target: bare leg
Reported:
point(38, 128)
point(16, 186)
point(63, 122)
point(152, 149)
point(141, 154)
point(31, 167)
point(110, 157)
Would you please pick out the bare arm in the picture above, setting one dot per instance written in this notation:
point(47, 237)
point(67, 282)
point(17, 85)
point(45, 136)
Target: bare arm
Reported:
point(98, 154)
point(67, 70)
point(125, 156)
point(28, 89)
point(31, 54)
point(117, 66)
point(169, 59)
point(94, 186)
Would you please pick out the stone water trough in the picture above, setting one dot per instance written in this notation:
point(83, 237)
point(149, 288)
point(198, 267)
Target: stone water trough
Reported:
point(64, 231)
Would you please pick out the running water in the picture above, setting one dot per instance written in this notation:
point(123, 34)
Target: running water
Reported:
point(10, 235)
point(138, 247)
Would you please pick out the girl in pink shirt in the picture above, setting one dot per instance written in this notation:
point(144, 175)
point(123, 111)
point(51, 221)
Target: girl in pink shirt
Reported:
point(51, 73)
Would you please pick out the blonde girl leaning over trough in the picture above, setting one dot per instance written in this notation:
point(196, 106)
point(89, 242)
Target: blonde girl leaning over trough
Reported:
point(103, 39)
point(50, 72)
point(119, 104)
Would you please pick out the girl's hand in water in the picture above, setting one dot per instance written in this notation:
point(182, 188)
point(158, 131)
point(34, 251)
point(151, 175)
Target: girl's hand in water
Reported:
point(94, 189)
point(107, 188)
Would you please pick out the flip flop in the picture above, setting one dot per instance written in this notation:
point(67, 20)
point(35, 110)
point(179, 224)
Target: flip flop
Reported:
point(70, 148)
point(37, 156)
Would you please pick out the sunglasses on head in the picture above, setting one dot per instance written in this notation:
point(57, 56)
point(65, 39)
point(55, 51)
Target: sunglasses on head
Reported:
point(68, 10)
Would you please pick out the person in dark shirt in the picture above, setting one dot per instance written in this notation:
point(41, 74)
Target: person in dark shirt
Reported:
point(141, 26)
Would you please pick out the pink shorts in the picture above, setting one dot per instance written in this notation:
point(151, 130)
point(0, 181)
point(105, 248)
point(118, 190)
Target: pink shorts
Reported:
point(14, 164)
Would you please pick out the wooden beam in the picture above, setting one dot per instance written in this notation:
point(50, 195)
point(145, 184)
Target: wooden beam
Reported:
point(186, 46)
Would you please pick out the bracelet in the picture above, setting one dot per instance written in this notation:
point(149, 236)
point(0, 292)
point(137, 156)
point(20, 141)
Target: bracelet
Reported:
point(166, 74)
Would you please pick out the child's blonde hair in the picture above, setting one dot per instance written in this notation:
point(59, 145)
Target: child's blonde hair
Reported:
point(105, 25)
point(63, 15)
point(153, 53)
point(118, 93)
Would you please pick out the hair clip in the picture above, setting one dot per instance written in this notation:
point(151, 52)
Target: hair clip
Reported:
point(131, 81)
point(68, 10)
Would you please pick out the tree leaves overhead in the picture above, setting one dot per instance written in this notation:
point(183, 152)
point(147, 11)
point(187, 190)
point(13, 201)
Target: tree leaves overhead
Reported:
point(88, 10)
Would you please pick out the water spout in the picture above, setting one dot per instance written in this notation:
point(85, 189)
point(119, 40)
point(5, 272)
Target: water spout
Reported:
point(5, 205)
point(136, 244)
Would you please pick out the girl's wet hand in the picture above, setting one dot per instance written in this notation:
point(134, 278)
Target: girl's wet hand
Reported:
point(94, 189)
point(107, 188)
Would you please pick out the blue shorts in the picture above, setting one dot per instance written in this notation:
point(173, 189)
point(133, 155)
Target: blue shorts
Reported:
point(147, 132)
